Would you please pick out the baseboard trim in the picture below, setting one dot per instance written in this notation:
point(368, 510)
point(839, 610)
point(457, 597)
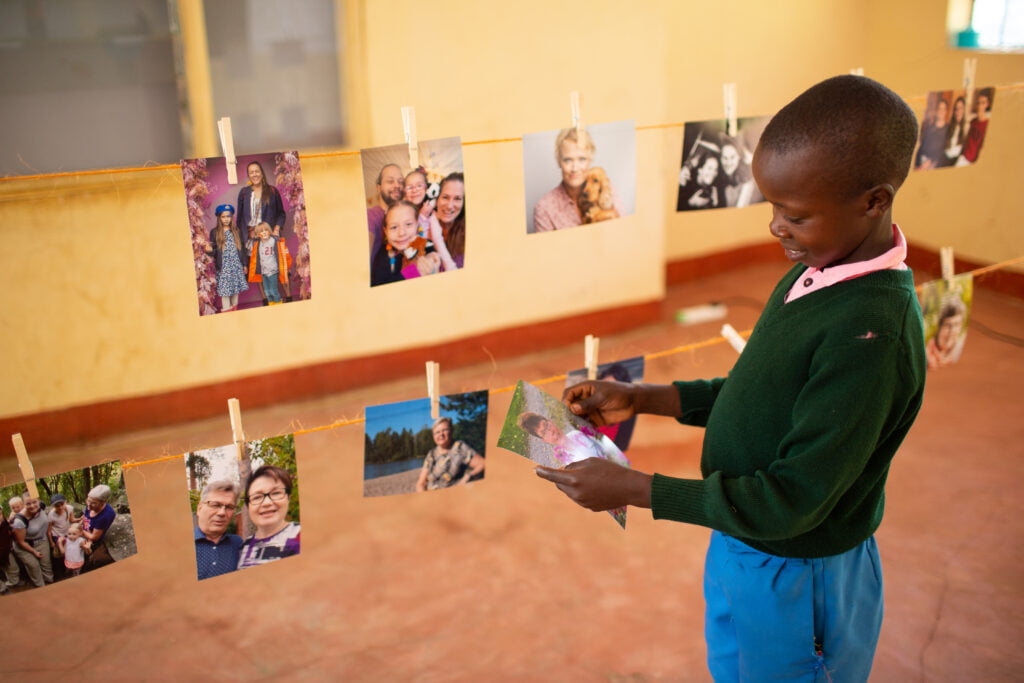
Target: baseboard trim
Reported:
point(82, 424)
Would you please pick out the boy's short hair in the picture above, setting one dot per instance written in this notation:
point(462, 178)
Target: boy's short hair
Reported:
point(864, 131)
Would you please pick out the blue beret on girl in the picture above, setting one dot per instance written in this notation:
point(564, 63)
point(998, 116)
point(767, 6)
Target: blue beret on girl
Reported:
point(225, 207)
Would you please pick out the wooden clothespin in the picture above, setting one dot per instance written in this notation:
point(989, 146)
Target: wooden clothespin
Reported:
point(857, 71)
point(227, 143)
point(590, 346)
point(27, 471)
point(237, 434)
point(733, 337)
point(409, 126)
point(946, 261)
point(729, 98)
point(433, 388)
point(970, 70)
point(574, 108)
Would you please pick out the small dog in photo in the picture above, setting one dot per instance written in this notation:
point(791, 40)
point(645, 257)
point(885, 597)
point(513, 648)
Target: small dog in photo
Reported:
point(595, 201)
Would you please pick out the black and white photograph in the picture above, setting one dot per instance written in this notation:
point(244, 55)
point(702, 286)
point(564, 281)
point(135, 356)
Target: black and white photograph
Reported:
point(715, 172)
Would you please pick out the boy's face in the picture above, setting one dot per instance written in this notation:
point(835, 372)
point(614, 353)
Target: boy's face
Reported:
point(813, 225)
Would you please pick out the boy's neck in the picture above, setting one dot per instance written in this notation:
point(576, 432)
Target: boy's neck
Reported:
point(880, 240)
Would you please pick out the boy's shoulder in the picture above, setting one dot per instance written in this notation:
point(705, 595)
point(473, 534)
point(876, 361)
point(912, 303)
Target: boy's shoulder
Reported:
point(882, 303)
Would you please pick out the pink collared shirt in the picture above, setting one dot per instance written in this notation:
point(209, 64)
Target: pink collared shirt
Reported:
point(814, 279)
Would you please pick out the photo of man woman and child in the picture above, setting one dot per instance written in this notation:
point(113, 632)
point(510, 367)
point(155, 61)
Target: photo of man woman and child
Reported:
point(415, 217)
point(715, 171)
point(540, 428)
point(593, 178)
point(250, 243)
point(73, 523)
point(245, 510)
point(952, 133)
point(946, 307)
point(407, 451)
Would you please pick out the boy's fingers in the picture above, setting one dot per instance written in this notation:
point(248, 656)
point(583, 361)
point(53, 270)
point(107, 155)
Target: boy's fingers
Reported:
point(551, 474)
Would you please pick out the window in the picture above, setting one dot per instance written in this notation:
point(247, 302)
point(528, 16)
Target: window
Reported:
point(89, 84)
point(987, 24)
point(999, 23)
point(86, 84)
point(274, 71)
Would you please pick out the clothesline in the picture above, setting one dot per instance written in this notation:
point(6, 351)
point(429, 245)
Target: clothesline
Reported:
point(546, 380)
point(555, 378)
point(318, 155)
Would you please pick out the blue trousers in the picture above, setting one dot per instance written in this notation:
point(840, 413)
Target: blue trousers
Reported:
point(771, 618)
point(270, 287)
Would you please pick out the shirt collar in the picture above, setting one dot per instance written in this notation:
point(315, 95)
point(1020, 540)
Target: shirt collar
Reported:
point(813, 279)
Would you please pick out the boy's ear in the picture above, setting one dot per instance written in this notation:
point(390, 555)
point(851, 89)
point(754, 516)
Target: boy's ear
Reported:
point(879, 200)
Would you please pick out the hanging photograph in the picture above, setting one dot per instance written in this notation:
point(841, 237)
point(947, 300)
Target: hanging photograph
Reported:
point(407, 451)
point(628, 370)
point(953, 132)
point(946, 308)
point(245, 510)
point(250, 241)
point(79, 522)
point(539, 427)
point(715, 172)
point(415, 217)
point(574, 177)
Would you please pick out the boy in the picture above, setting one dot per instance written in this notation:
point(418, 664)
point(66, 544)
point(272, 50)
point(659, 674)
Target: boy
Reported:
point(799, 436)
point(268, 263)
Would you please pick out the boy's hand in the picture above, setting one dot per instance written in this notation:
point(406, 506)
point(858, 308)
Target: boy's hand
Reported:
point(602, 403)
point(598, 484)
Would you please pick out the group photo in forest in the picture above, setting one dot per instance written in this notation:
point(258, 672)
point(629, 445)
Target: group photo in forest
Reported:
point(64, 525)
point(407, 450)
point(244, 502)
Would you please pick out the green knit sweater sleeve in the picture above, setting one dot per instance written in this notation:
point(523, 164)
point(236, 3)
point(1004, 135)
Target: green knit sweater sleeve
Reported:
point(696, 398)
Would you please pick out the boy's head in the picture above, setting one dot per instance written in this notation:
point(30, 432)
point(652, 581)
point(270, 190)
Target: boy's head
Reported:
point(830, 163)
point(263, 230)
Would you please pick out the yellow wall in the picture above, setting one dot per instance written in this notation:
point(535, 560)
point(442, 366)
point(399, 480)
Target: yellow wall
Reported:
point(97, 288)
point(976, 210)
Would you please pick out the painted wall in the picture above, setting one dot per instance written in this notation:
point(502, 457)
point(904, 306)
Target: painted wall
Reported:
point(97, 289)
point(976, 210)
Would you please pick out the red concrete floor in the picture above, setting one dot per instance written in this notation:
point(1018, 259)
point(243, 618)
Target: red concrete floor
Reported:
point(508, 580)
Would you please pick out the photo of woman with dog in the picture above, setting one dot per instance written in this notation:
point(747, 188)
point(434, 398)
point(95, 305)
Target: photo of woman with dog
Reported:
point(595, 172)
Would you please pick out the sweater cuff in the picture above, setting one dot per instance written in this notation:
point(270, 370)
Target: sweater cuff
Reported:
point(695, 399)
point(681, 500)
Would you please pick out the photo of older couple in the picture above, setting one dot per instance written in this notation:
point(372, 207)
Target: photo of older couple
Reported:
point(245, 506)
point(74, 523)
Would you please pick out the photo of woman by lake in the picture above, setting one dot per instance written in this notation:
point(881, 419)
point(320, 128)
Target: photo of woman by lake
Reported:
point(407, 451)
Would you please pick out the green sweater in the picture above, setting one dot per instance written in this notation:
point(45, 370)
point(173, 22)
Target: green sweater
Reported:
point(800, 435)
